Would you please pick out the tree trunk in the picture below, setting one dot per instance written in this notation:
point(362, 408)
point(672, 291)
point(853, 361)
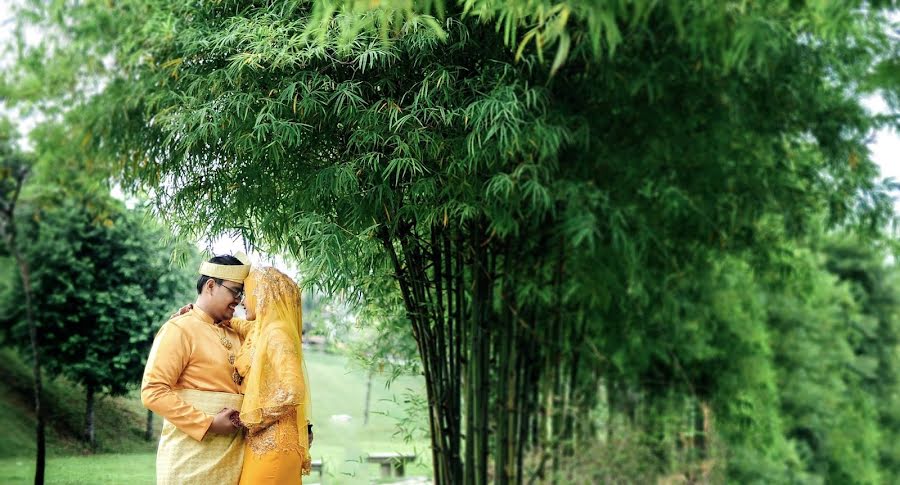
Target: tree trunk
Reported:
point(368, 399)
point(25, 275)
point(479, 386)
point(89, 418)
point(471, 349)
point(415, 289)
point(505, 389)
point(9, 232)
point(148, 431)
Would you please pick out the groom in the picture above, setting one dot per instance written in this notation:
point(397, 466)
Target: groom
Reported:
point(190, 381)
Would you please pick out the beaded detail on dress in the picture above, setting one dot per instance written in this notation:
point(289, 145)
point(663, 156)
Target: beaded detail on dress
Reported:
point(280, 435)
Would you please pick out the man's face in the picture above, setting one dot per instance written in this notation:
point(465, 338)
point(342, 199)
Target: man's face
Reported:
point(225, 297)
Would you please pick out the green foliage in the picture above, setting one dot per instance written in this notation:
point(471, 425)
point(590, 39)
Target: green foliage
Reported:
point(104, 286)
point(101, 272)
point(14, 168)
point(873, 286)
point(832, 423)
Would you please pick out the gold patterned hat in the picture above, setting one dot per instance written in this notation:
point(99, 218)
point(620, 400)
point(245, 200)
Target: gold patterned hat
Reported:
point(235, 273)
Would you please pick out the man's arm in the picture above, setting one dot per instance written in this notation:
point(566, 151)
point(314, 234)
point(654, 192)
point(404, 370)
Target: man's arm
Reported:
point(241, 326)
point(168, 358)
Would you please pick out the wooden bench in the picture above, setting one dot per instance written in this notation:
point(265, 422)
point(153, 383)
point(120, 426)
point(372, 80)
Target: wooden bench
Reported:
point(392, 464)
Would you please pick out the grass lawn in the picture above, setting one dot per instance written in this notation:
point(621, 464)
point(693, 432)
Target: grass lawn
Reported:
point(341, 439)
point(339, 389)
point(95, 469)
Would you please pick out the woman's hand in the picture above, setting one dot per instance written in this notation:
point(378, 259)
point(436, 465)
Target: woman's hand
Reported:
point(183, 310)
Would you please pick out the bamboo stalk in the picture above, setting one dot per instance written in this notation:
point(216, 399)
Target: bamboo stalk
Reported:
point(505, 365)
point(415, 316)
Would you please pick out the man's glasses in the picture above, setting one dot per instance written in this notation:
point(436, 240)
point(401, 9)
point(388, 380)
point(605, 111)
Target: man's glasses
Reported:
point(238, 294)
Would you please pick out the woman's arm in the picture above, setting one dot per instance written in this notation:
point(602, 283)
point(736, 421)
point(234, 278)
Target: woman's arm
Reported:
point(289, 387)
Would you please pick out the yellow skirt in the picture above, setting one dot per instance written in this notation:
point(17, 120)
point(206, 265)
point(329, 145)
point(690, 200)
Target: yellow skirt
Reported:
point(274, 467)
point(272, 455)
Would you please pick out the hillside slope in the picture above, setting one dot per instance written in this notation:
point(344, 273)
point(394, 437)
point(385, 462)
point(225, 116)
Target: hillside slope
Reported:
point(120, 421)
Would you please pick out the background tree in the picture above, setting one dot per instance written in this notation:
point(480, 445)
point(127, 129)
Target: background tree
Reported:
point(873, 283)
point(106, 285)
point(14, 170)
point(103, 273)
point(830, 420)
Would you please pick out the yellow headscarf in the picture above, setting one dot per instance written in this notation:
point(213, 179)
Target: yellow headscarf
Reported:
point(277, 373)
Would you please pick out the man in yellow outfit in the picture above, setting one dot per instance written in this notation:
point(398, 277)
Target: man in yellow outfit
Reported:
point(190, 380)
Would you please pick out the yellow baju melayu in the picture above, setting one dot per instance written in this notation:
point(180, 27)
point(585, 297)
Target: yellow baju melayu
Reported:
point(187, 380)
point(276, 396)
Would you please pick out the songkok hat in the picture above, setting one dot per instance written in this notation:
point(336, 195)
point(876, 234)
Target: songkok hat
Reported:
point(228, 272)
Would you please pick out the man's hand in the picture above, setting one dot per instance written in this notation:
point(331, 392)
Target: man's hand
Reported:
point(222, 422)
point(235, 418)
point(183, 310)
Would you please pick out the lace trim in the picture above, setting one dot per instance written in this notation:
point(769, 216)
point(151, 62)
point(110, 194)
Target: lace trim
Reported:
point(279, 436)
point(306, 466)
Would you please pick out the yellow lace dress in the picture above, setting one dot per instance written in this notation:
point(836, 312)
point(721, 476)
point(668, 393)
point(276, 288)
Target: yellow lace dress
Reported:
point(272, 454)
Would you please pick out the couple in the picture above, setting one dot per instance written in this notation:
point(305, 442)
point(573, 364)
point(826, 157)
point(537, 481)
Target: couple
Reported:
point(233, 392)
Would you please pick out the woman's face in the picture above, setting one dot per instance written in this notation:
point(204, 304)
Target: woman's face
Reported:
point(250, 295)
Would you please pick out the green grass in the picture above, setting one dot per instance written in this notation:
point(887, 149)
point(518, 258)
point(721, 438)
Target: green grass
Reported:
point(96, 469)
point(338, 388)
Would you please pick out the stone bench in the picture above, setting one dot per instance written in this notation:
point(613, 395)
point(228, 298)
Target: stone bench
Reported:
point(392, 464)
point(317, 467)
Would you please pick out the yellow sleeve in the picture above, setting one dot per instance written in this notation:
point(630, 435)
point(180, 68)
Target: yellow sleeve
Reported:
point(286, 372)
point(241, 326)
point(168, 358)
point(269, 417)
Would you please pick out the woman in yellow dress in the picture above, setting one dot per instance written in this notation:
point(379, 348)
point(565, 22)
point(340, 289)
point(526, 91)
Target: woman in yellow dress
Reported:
point(276, 403)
